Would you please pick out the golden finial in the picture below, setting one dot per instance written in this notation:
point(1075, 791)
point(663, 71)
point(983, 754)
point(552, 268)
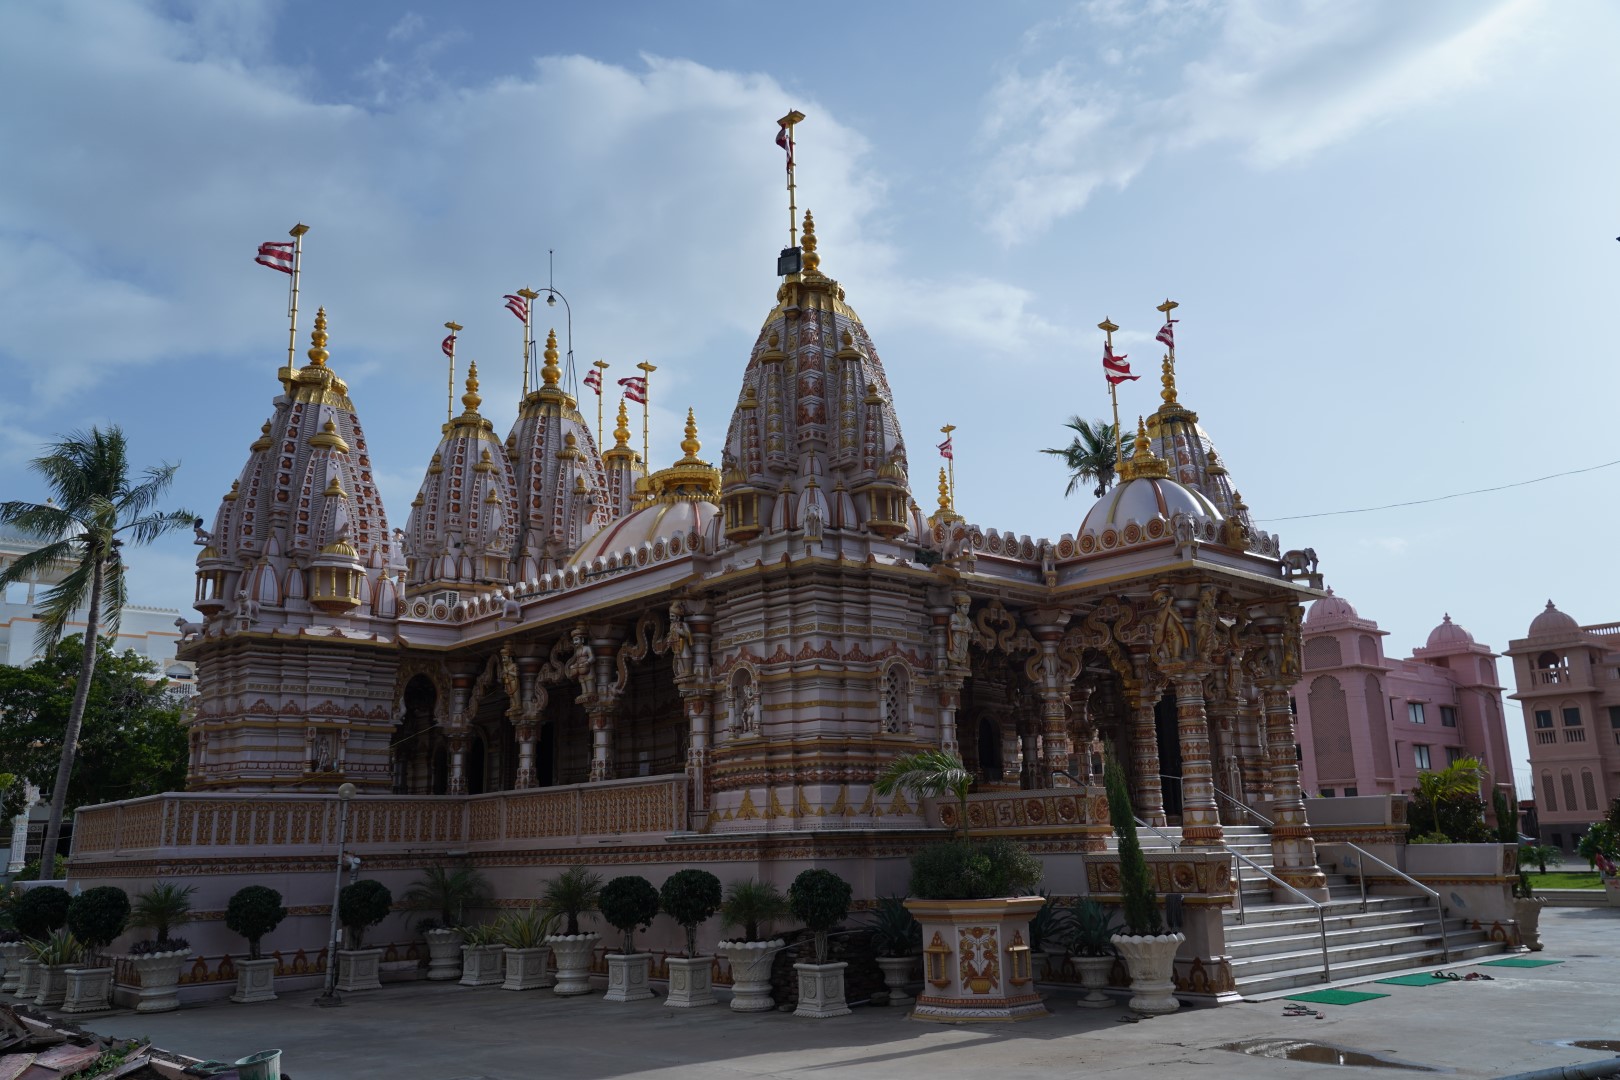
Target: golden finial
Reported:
point(1143, 463)
point(550, 372)
point(318, 354)
point(690, 445)
point(263, 442)
point(945, 506)
point(812, 261)
point(621, 433)
point(334, 490)
point(471, 399)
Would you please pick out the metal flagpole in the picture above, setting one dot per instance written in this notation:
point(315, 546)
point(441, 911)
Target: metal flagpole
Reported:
point(601, 367)
point(1108, 327)
point(788, 122)
point(529, 296)
point(646, 406)
point(450, 387)
point(950, 462)
point(297, 233)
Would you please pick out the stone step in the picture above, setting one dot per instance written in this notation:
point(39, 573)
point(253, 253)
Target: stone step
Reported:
point(1308, 926)
point(1267, 955)
point(1426, 956)
point(1286, 912)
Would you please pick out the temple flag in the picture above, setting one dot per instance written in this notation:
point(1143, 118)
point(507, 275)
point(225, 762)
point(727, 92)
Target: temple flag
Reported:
point(635, 388)
point(449, 345)
point(276, 256)
point(945, 450)
point(1167, 333)
point(593, 379)
point(517, 306)
point(1115, 369)
point(784, 139)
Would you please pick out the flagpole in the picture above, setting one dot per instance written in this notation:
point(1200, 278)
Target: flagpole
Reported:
point(530, 296)
point(1169, 377)
point(601, 367)
point(646, 407)
point(297, 233)
point(950, 462)
point(1108, 327)
point(789, 121)
point(450, 386)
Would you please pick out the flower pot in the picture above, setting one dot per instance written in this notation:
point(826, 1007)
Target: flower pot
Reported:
point(1151, 960)
point(751, 973)
point(265, 1065)
point(89, 990)
point(897, 977)
point(821, 990)
point(27, 979)
point(358, 969)
point(50, 986)
point(573, 953)
point(627, 977)
point(12, 952)
point(976, 964)
point(444, 954)
point(256, 981)
point(1094, 972)
point(691, 982)
point(160, 980)
point(481, 964)
point(528, 969)
point(1611, 888)
point(1527, 913)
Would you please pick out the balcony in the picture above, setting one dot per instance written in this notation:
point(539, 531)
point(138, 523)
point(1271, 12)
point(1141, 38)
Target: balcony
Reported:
point(1575, 734)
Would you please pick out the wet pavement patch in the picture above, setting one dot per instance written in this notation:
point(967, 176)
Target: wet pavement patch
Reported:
point(1317, 1054)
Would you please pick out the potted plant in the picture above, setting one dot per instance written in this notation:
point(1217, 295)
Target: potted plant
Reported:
point(690, 897)
point(897, 936)
point(482, 954)
point(527, 957)
point(55, 953)
point(95, 917)
point(970, 897)
point(628, 903)
point(448, 895)
point(361, 905)
point(1048, 936)
point(157, 960)
point(569, 895)
point(1091, 939)
point(13, 948)
point(1149, 952)
point(750, 905)
point(254, 912)
point(820, 900)
point(38, 913)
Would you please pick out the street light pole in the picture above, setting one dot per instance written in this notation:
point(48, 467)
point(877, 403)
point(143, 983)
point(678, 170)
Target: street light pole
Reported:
point(552, 296)
point(330, 997)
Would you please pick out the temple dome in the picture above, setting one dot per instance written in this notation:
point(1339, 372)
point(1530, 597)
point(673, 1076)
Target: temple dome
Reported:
point(677, 508)
point(1552, 621)
point(1144, 499)
point(1447, 634)
point(1333, 608)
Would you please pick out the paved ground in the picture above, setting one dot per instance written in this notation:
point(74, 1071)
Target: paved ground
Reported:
point(435, 1031)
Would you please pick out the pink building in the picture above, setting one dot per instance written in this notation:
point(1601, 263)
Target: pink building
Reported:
point(1368, 724)
point(1568, 678)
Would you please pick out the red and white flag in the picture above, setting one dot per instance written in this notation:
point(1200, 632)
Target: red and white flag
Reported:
point(784, 139)
point(1115, 369)
point(449, 346)
point(945, 450)
point(1167, 333)
point(517, 305)
point(593, 379)
point(277, 256)
point(635, 388)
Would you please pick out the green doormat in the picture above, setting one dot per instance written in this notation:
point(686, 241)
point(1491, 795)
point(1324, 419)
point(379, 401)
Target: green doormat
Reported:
point(1519, 961)
point(1415, 980)
point(1334, 997)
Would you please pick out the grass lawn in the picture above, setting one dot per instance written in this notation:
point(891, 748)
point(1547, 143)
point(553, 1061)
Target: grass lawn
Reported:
point(1566, 879)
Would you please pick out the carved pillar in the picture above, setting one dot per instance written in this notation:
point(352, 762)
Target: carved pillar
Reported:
point(950, 700)
point(1293, 851)
point(525, 716)
point(1031, 769)
point(1224, 754)
point(526, 778)
point(951, 675)
point(1200, 820)
point(1253, 759)
point(1056, 749)
point(601, 720)
point(1145, 754)
point(457, 743)
point(601, 703)
point(1082, 733)
point(697, 694)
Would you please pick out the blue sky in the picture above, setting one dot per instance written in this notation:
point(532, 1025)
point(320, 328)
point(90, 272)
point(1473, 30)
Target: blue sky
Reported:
point(1390, 225)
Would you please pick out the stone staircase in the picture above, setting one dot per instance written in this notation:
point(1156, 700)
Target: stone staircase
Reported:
point(1277, 945)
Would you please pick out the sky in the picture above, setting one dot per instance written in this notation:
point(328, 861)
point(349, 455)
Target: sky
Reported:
point(1390, 227)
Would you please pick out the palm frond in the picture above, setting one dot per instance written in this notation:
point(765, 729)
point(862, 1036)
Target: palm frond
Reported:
point(39, 521)
point(143, 531)
point(38, 562)
point(143, 496)
point(58, 604)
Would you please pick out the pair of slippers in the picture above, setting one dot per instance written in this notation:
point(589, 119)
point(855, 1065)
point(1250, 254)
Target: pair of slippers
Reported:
point(1301, 1010)
point(1129, 1019)
point(1472, 976)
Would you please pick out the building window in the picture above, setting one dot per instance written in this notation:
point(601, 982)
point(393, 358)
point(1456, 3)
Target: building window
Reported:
point(1420, 756)
point(1414, 712)
point(1569, 790)
point(1299, 755)
point(1572, 717)
point(1350, 792)
point(1614, 717)
point(1544, 718)
point(1293, 706)
point(1558, 840)
point(1589, 789)
point(1448, 716)
point(1327, 793)
point(1453, 754)
point(1550, 794)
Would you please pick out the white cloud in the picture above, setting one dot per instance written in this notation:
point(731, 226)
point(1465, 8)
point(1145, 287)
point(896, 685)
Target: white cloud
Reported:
point(409, 25)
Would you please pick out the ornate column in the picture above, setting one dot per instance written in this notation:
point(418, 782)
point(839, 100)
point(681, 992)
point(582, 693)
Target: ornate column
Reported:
point(525, 716)
point(697, 695)
point(1031, 768)
point(1224, 754)
point(1293, 851)
point(1047, 627)
point(1200, 819)
point(1082, 732)
point(457, 742)
point(1144, 737)
point(951, 661)
point(1253, 760)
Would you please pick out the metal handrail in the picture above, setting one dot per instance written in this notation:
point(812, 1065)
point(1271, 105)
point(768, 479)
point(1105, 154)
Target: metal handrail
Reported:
point(1361, 873)
point(1321, 912)
point(1175, 845)
point(1219, 794)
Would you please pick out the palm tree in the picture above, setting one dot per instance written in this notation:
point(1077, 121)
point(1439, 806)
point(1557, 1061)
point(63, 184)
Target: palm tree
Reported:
point(929, 774)
point(93, 510)
point(1090, 455)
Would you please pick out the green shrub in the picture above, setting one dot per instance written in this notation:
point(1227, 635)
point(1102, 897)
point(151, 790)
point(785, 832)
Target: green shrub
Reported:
point(1600, 839)
point(819, 899)
point(1094, 927)
point(525, 929)
point(628, 903)
point(361, 906)
point(1141, 904)
point(448, 894)
point(751, 904)
point(97, 916)
point(253, 912)
point(973, 870)
point(41, 910)
point(162, 908)
point(30, 870)
point(689, 897)
point(571, 894)
point(895, 930)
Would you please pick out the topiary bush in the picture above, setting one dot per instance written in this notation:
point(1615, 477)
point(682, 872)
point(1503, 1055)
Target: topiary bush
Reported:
point(97, 916)
point(628, 903)
point(973, 870)
point(362, 905)
point(253, 912)
point(689, 897)
point(41, 910)
point(820, 900)
point(1141, 903)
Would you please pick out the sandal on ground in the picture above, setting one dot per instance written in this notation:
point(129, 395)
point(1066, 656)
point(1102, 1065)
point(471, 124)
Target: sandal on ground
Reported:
point(1127, 1020)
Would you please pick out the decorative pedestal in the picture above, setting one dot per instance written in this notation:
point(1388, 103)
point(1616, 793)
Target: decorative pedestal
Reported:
point(528, 969)
point(573, 953)
point(821, 990)
point(89, 990)
point(897, 977)
point(481, 964)
point(1611, 888)
point(11, 953)
point(50, 986)
point(255, 981)
point(27, 979)
point(976, 964)
point(160, 980)
point(1151, 961)
point(627, 977)
point(1093, 977)
point(751, 973)
point(359, 969)
point(691, 982)
point(444, 954)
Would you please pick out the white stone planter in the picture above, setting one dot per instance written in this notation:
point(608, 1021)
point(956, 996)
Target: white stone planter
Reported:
point(160, 980)
point(359, 969)
point(691, 982)
point(751, 973)
point(1527, 913)
point(573, 953)
point(1611, 888)
point(897, 977)
point(444, 954)
point(27, 979)
point(821, 990)
point(255, 981)
point(1094, 972)
point(481, 964)
point(976, 963)
point(1151, 960)
point(628, 975)
point(528, 969)
point(50, 986)
point(12, 952)
point(89, 990)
